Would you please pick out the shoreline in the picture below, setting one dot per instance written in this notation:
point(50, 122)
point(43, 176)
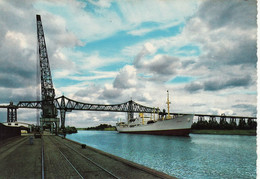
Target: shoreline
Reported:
point(224, 132)
point(209, 131)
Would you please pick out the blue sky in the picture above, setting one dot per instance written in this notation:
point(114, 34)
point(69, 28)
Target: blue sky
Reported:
point(109, 51)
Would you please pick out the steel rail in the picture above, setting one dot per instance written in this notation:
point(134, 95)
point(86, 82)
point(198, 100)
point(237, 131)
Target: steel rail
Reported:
point(66, 158)
point(129, 164)
point(70, 163)
point(96, 164)
point(42, 158)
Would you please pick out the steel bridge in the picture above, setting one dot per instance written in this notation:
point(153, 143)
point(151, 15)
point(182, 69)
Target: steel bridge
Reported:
point(65, 104)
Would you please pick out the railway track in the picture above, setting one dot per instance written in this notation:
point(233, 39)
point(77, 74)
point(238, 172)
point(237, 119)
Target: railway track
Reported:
point(77, 161)
point(63, 158)
point(54, 157)
point(133, 166)
point(42, 158)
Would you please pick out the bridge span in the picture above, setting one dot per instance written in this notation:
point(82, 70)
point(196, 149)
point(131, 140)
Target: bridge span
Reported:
point(65, 104)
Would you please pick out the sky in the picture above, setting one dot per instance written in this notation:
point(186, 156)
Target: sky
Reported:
point(112, 51)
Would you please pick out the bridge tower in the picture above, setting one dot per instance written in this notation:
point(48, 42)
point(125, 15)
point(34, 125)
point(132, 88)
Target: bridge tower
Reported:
point(11, 113)
point(49, 111)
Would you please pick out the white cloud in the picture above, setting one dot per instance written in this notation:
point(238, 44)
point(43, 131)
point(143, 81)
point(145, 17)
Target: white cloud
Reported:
point(156, 11)
point(225, 37)
point(17, 37)
point(126, 78)
point(143, 30)
point(102, 4)
point(128, 16)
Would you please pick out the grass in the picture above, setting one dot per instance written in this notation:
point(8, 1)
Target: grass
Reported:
point(225, 132)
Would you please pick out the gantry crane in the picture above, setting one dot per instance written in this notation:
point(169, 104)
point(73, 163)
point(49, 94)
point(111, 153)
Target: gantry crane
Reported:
point(49, 111)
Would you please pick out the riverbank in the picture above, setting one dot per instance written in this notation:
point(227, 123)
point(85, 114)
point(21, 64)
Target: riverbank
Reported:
point(101, 127)
point(204, 131)
point(225, 132)
point(105, 129)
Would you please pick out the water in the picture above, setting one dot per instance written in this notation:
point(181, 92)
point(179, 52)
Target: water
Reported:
point(198, 156)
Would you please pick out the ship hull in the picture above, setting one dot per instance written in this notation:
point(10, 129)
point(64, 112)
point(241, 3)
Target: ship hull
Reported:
point(179, 126)
point(174, 132)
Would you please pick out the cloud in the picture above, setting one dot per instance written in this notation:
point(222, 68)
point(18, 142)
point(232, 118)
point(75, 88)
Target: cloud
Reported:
point(110, 92)
point(143, 30)
point(230, 83)
point(147, 49)
point(17, 94)
point(160, 67)
point(198, 104)
point(18, 67)
point(126, 78)
point(156, 11)
point(193, 87)
point(18, 43)
point(116, 16)
point(163, 65)
point(219, 46)
point(220, 84)
point(88, 91)
point(101, 4)
point(91, 118)
point(239, 14)
point(247, 107)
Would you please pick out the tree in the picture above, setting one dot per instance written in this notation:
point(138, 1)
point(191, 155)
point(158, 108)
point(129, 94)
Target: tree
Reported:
point(213, 124)
point(251, 124)
point(232, 123)
point(242, 124)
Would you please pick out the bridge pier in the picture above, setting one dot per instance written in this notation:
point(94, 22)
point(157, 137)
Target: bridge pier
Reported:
point(62, 118)
point(62, 112)
point(11, 113)
point(130, 110)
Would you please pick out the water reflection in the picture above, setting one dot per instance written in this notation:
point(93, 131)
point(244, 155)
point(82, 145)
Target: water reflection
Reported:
point(197, 156)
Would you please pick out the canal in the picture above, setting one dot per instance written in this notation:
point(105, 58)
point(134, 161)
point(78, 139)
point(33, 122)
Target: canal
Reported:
point(198, 156)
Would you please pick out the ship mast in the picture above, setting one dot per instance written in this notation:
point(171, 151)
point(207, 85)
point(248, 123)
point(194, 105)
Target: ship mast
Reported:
point(168, 105)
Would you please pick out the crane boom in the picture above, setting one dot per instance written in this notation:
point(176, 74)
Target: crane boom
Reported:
point(48, 93)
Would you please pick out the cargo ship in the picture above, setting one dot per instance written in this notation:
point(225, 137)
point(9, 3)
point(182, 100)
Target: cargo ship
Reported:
point(176, 125)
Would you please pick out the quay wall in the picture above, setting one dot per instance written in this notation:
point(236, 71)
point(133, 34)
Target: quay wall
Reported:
point(7, 132)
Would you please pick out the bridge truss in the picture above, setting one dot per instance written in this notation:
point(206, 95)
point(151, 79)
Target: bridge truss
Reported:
point(65, 104)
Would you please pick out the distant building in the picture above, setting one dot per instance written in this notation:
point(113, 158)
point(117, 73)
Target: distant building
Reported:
point(24, 126)
point(8, 131)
